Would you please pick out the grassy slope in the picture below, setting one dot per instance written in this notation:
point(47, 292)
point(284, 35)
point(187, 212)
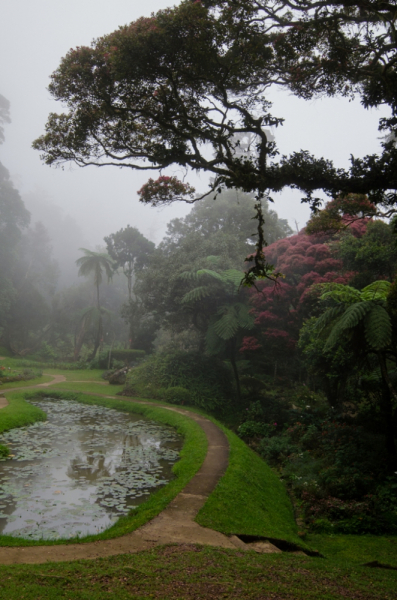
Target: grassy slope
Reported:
point(250, 499)
point(19, 412)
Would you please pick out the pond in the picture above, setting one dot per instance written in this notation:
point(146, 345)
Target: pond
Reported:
point(78, 472)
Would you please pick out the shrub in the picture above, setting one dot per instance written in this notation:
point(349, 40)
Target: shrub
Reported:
point(26, 375)
point(352, 517)
point(46, 352)
point(276, 448)
point(253, 429)
point(207, 379)
point(177, 395)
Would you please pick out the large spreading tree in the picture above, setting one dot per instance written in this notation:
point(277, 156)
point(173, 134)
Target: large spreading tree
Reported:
point(187, 86)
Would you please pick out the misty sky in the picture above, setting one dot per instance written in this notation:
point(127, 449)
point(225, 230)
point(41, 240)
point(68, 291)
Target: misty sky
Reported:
point(35, 34)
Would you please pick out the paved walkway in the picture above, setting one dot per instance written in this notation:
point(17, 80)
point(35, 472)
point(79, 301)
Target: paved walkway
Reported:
point(174, 525)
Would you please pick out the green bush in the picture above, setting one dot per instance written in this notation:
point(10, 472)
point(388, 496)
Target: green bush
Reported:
point(26, 375)
point(177, 395)
point(253, 429)
point(46, 352)
point(207, 379)
point(276, 448)
point(368, 515)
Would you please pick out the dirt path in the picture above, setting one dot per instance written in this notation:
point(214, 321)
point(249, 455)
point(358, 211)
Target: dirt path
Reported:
point(174, 525)
point(56, 379)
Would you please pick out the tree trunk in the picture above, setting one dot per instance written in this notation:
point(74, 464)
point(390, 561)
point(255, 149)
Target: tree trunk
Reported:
point(234, 367)
point(387, 410)
point(131, 338)
point(100, 327)
point(79, 340)
point(97, 338)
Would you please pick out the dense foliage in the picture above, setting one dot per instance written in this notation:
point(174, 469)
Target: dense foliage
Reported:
point(203, 380)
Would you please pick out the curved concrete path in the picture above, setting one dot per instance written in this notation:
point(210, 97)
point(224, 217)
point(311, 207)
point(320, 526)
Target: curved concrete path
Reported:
point(174, 525)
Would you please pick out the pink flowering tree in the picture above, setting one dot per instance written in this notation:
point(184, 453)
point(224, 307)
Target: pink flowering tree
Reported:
point(280, 309)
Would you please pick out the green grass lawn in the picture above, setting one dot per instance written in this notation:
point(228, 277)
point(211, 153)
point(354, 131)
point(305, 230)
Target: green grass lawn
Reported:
point(78, 374)
point(89, 387)
point(193, 573)
point(357, 549)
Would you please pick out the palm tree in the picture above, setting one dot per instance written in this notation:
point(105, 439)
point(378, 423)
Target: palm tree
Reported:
point(96, 263)
point(362, 320)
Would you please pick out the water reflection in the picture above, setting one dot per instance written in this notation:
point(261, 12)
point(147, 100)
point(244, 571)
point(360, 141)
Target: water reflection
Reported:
point(82, 469)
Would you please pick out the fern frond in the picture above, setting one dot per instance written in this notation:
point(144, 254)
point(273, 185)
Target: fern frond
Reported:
point(340, 293)
point(350, 319)
point(234, 277)
point(188, 276)
point(226, 327)
point(377, 290)
point(378, 328)
point(198, 293)
point(209, 273)
point(329, 316)
point(213, 260)
point(355, 313)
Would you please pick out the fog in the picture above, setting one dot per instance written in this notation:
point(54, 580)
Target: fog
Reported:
point(96, 202)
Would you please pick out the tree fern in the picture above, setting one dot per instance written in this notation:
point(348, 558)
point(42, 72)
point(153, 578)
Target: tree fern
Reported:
point(378, 327)
point(231, 319)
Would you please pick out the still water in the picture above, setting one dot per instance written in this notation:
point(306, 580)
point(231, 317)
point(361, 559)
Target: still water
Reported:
point(79, 471)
